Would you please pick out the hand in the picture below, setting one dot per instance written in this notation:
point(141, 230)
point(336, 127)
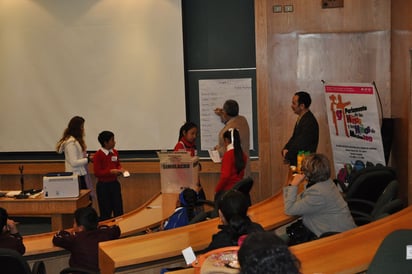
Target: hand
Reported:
point(218, 111)
point(117, 171)
point(297, 179)
point(284, 152)
point(90, 157)
point(11, 226)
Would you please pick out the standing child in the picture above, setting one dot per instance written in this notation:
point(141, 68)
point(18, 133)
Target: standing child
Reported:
point(107, 167)
point(187, 142)
point(233, 162)
point(187, 138)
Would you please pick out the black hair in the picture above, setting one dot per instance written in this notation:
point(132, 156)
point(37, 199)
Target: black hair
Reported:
point(240, 162)
point(234, 207)
point(185, 128)
point(266, 253)
point(304, 98)
point(3, 218)
point(190, 200)
point(231, 107)
point(87, 217)
point(105, 137)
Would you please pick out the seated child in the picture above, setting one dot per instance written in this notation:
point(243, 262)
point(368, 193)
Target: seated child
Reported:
point(84, 241)
point(9, 235)
point(185, 210)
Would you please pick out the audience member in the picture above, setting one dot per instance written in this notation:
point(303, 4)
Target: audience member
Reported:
point(83, 242)
point(305, 135)
point(233, 207)
point(266, 253)
point(185, 210)
point(320, 205)
point(10, 236)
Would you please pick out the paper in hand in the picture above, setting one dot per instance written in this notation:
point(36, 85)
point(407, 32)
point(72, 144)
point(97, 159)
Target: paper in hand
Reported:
point(215, 156)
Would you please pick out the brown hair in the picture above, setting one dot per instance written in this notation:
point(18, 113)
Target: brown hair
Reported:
point(75, 129)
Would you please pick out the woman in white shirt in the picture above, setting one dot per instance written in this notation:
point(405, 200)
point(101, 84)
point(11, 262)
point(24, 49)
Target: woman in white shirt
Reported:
point(74, 148)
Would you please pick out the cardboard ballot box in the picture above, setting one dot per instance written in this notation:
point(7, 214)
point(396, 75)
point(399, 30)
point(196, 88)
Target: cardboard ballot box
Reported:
point(178, 170)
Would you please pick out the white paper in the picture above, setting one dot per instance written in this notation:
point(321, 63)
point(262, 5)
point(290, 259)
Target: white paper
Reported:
point(212, 94)
point(126, 174)
point(409, 252)
point(189, 255)
point(13, 193)
point(215, 156)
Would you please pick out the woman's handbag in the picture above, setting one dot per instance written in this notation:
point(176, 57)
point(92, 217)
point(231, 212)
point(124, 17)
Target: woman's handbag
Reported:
point(298, 233)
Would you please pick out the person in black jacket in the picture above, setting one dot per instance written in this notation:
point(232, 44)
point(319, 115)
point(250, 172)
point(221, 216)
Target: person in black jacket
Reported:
point(9, 235)
point(83, 243)
point(236, 225)
point(305, 135)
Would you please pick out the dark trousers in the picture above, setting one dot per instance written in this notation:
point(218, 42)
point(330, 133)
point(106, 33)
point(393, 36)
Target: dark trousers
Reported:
point(109, 198)
point(82, 182)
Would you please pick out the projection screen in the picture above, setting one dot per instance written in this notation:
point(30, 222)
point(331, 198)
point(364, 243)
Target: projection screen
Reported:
point(118, 64)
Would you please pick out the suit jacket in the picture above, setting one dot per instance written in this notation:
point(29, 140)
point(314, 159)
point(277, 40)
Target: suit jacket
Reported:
point(305, 137)
point(321, 206)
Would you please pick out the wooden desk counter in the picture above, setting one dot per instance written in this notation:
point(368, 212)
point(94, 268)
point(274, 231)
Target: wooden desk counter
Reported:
point(350, 251)
point(60, 209)
point(161, 245)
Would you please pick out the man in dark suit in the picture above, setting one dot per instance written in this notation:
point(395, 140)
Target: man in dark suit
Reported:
point(305, 135)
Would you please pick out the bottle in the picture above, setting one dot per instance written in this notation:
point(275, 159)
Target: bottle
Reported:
point(301, 154)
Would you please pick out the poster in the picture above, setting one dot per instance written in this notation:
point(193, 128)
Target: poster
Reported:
point(212, 94)
point(354, 127)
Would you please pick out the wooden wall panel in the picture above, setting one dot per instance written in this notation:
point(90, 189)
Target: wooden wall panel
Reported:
point(310, 44)
point(401, 46)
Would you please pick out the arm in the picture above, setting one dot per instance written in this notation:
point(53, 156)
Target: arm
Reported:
point(179, 147)
point(11, 227)
point(70, 154)
point(227, 163)
point(113, 231)
point(63, 239)
point(310, 201)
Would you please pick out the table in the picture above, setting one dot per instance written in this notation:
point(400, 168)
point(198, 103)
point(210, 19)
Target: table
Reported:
point(59, 209)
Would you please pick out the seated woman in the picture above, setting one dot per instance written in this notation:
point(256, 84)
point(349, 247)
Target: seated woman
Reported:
point(320, 205)
point(233, 207)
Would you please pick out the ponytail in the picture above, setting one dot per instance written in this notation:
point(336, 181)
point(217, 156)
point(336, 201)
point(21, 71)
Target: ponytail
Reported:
point(239, 156)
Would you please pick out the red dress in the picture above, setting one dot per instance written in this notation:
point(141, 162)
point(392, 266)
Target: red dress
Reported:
point(229, 176)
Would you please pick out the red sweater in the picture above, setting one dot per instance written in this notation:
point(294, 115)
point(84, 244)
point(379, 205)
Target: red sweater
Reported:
point(228, 175)
point(184, 145)
point(102, 164)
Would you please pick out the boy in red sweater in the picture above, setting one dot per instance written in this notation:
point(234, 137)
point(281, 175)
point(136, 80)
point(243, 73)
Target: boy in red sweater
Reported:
point(107, 168)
